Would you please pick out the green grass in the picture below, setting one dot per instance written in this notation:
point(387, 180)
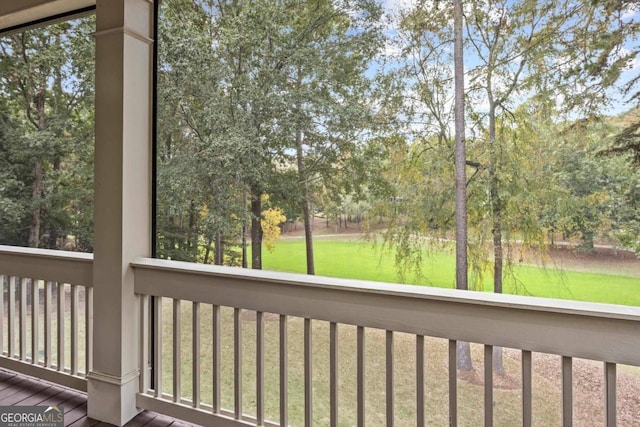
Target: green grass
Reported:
point(360, 260)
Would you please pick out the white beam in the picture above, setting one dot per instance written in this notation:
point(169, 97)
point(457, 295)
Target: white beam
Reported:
point(122, 215)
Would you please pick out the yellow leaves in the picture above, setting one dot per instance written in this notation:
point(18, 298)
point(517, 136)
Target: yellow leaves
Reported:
point(203, 212)
point(597, 198)
point(270, 223)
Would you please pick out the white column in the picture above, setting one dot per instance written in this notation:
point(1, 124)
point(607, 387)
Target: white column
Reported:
point(122, 216)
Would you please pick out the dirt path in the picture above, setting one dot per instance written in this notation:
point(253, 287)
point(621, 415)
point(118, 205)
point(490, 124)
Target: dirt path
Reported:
point(602, 260)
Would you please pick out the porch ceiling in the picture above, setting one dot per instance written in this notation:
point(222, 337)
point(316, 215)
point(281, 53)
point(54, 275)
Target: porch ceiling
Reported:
point(13, 13)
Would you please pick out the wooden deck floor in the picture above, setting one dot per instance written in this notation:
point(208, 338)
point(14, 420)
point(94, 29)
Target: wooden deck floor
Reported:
point(19, 390)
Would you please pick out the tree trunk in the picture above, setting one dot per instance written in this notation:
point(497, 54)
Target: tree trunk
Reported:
point(460, 156)
point(244, 229)
point(305, 205)
point(496, 214)
point(219, 253)
point(464, 349)
point(256, 231)
point(52, 229)
point(464, 356)
point(192, 235)
point(53, 239)
point(302, 176)
point(244, 246)
point(587, 244)
point(207, 251)
point(308, 236)
point(36, 196)
point(498, 251)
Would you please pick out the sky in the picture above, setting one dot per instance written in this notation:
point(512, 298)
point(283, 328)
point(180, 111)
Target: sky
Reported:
point(619, 101)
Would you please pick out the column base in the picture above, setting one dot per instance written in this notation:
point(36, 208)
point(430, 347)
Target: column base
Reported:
point(112, 399)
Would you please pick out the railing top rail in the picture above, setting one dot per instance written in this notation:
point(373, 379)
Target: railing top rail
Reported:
point(529, 303)
point(45, 253)
point(47, 264)
point(579, 329)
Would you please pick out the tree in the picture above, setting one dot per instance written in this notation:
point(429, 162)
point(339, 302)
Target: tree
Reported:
point(328, 89)
point(511, 40)
point(600, 199)
point(615, 45)
point(543, 46)
point(264, 97)
point(212, 152)
point(517, 49)
point(420, 166)
point(506, 37)
point(47, 78)
point(464, 358)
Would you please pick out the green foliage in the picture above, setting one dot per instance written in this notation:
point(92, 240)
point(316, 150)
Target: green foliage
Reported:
point(46, 136)
point(249, 93)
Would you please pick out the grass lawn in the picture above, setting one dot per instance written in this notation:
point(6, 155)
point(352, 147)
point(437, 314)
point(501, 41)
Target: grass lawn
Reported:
point(546, 398)
point(359, 260)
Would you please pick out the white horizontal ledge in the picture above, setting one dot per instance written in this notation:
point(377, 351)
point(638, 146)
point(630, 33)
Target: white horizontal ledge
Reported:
point(593, 331)
point(45, 264)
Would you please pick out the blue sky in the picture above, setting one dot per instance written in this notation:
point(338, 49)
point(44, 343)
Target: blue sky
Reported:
point(619, 102)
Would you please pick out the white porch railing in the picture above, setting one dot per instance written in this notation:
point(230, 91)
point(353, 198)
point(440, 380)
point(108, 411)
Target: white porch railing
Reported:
point(204, 323)
point(604, 333)
point(46, 311)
